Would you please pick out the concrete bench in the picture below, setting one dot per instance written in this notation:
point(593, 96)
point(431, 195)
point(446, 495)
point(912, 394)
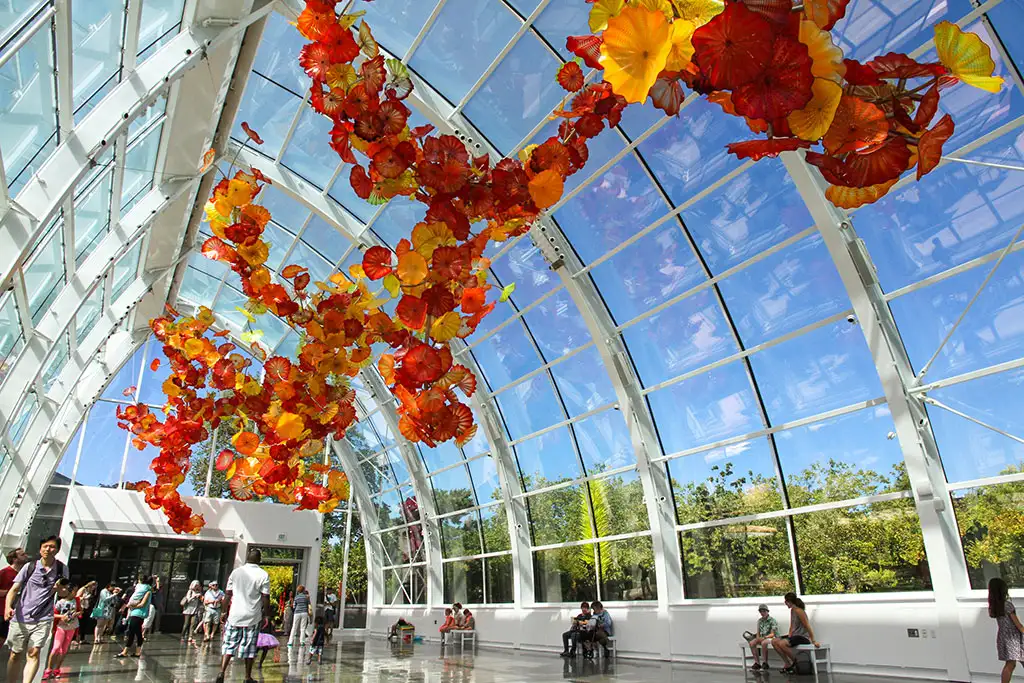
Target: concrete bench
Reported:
point(818, 655)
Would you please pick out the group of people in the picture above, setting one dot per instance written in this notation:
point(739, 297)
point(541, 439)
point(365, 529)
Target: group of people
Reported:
point(593, 625)
point(457, 619)
point(768, 633)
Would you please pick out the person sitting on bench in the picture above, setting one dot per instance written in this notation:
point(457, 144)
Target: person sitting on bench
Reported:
point(767, 629)
point(449, 623)
point(468, 621)
point(600, 632)
point(800, 633)
point(573, 634)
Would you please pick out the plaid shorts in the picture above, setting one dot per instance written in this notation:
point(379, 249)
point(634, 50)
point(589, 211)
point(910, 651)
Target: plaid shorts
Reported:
point(240, 641)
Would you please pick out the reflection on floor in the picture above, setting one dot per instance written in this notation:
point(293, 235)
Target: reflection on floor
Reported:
point(373, 660)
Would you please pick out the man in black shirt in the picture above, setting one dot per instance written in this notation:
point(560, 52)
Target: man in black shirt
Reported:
point(573, 634)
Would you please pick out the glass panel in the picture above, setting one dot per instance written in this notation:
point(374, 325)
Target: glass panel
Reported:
point(277, 57)
point(44, 274)
point(872, 548)
point(874, 28)
point(792, 288)
point(19, 423)
point(127, 376)
point(707, 408)
point(990, 333)
point(444, 454)
point(396, 25)
point(559, 20)
point(405, 586)
point(460, 536)
point(28, 110)
point(992, 538)
point(583, 382)
point(159, 19)
point(485, 479)
point(125, 271)
point(627, 569)
point(530, 406)
point(55, 363)
point(846, 457)
point(269, 109)
point(452, 490)
point(564, 574)
point(499, 579)
point(494, 521)
point(100, 464)
point(96, 34)
point(828, 368)
point(88, 314)
point(547, 459)
point(557, 326)
point(687, 335)
point(731, 481)
point(325, 239)
point(619, 504)
point(92, 217)
point(604, 441)
point(67, 461)
point(464, 40)
point(11, 341)
point(464, 582)
point(307, 154)
point(13, 12)
point(525, 266)
point(139, 166)
point(517, 95)
point(197, 287)
point(968, 450)
point(737, 560)
point(560, 515)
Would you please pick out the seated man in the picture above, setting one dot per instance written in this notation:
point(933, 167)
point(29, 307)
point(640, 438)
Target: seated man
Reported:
point(573, 634)
point(601, 631)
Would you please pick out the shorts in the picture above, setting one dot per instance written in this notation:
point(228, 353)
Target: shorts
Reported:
point(28, 635)
point(240, 641)
point(797, 640)
point(211, 616)
point(316, 650)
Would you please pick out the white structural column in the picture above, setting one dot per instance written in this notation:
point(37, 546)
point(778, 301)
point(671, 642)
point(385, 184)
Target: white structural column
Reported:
point(424, 493)
point(938, 525)
point(359, 492)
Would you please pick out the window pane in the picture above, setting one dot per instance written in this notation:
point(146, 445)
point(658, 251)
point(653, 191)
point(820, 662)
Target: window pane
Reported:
point(731, 481)
point(619, 504)
point(92, 216)
point(707, 408)
point(11, 340)
point(499, 579)
point(100, 464)
point(604, 441)
point(867, 549)
point(268, 109)
point(306, 154)
point(464, 582)
point(506, 356)
point(530, 406)
point(583, 382)
point(444, 454)
point(88, 314)
point(452, 490)
point(276, 58)
point(557, 326)
point(55, 363)
point(845, 457)
point(495, 529)
point(19, 424)
point(485, 480)
point(627, 570)
point(405, 586)
point(992, 536)
point(44, 274)
point(139, 166)
point(28, 112)
point(738, 560)
point(396, 24)
point(547, 459)
point(124, 271)
point(560, 515)
point(460, 536)
point(96, 34)
point(160, 18)
point(564, 574)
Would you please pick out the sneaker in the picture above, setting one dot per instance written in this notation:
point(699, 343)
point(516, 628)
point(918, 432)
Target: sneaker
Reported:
point(756, 667)
point(765, 667)
point(220, 678)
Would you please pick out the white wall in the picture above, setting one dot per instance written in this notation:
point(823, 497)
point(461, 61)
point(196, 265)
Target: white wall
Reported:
point(93, 510)
point(868, 634)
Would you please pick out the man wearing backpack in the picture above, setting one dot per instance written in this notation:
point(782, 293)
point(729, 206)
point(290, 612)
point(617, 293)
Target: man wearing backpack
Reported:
point(29, 608)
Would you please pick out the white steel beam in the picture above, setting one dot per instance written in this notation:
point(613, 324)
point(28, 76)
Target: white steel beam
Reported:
point(360, 494)
point(934, 508)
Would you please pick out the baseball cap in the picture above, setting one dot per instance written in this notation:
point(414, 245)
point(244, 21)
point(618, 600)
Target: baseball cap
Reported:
point(762, 607)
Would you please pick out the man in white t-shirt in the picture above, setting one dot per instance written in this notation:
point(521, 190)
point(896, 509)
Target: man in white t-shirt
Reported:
point(248, 607)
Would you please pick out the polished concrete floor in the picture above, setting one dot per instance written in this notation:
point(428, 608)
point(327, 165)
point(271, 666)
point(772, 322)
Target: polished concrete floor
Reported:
point(373, 660)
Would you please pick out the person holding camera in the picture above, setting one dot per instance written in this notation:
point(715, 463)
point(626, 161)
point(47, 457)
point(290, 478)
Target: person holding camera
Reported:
point(578, 625)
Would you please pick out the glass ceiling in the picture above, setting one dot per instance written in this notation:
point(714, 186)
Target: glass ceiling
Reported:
point(740, 333)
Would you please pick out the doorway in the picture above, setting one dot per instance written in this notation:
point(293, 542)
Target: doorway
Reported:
point(284, 566)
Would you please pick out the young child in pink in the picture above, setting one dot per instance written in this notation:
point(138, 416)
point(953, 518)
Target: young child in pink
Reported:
point(65, 617)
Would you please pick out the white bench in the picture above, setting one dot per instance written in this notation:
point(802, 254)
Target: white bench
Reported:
point(462, 635)
point(812, 653)
point(611, 648)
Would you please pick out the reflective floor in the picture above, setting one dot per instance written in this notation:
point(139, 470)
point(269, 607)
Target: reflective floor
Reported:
point(373, 660)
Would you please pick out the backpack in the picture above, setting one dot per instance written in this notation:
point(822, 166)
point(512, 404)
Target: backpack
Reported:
point(58, 565)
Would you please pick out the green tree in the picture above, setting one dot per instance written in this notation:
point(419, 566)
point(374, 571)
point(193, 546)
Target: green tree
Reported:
point(991, 521)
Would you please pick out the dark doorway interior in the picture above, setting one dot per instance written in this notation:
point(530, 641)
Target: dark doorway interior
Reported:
point(119, 559)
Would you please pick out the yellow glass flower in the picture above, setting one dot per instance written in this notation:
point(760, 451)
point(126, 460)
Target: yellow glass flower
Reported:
point(239, 193)
point(601, 12)
point(826, 58)
point(699, 12)
point(967, 56)
point(814, 120)
point(681, 53)
point(255, 254)
point(634, 52)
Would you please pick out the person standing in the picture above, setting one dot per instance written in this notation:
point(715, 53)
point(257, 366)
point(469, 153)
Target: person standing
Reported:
point(191, 609)
point(1010, 633)
point(138, 610)
point(85, 596)
point(248, 608)
point(29, 608)
point(104, 611)
point(300, 616)
point(66, 616)
point(16, 559)
point(316, 643)
point(212, 601)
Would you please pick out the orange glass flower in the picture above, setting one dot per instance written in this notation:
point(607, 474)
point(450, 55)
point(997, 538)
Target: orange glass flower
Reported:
point(635, 50)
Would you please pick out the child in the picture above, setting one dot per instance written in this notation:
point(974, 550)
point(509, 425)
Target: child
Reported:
point(1009, 638)
point(65, 617)
point(767, 628)
point(449, 623)
point(266, 641)
point(316, 645)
